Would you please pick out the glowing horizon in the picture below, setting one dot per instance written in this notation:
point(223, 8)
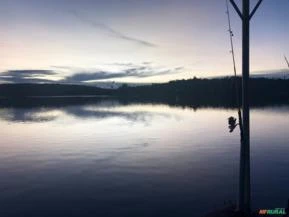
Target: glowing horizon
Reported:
point(157, 40)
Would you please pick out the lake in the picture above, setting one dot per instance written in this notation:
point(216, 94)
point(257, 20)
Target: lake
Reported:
point(110, 158)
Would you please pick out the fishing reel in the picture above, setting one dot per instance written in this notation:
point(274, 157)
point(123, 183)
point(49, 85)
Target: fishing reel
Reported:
point(232, 122)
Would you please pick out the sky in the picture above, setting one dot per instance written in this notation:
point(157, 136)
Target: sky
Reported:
point(90, 41)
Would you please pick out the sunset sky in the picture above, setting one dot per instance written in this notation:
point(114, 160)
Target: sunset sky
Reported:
point(133, 40)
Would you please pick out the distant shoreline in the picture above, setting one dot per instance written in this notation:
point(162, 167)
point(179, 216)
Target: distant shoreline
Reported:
point(70, 96)
point(192, 92)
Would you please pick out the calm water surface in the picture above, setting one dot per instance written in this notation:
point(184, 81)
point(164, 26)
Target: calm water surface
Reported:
point(112, 159)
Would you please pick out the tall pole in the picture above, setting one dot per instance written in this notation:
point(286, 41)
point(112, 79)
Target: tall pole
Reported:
point(245, 185)
point(244, 179)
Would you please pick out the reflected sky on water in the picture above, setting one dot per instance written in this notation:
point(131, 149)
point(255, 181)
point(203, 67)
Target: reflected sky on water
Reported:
point(115, 159)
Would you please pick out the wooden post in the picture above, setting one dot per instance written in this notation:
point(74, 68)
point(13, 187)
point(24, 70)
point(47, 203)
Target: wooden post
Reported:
point(244, 179)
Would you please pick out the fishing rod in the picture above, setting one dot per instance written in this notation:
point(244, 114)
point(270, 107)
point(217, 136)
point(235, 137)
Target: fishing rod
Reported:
point(232, 120)
point(231, 38)
point(231, 34)
point(286, 60)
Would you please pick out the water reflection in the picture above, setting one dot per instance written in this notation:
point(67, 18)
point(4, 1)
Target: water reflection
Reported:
point(115, 158)
point(102, 110)
point(27, 115)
